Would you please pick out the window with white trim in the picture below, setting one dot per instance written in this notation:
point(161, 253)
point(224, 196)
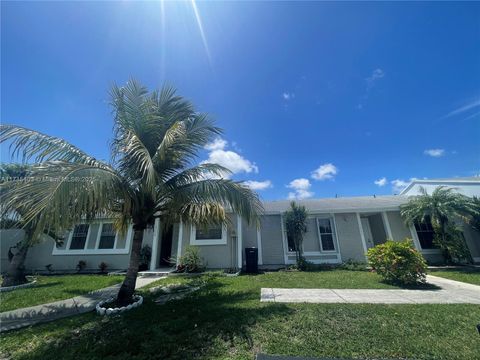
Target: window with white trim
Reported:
point(425, 234)
point(325, 230)
point(208, 235)
point(79, 237)
point(107, 236)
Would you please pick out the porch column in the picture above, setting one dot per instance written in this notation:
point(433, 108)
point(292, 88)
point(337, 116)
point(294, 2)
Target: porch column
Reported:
point(362, 235)
point(259, 245)
point(239, 242)
point(416, 242)
point(156, 233)
point(386, 223)
point(180, 240)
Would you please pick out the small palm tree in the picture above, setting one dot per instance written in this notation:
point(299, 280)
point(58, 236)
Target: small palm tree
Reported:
point(156, 139)
point(441, 208)
point(296, 226)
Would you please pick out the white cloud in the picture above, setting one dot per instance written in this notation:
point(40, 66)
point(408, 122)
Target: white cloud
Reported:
point(434, 152)
point(325, 172)
point(468, 106)
point(301, 189)
point(229, 159)
point(258, 185)
point(398, 185)
point(217, 144)
point(376, 74)
point(381, 182)
point(288, 96)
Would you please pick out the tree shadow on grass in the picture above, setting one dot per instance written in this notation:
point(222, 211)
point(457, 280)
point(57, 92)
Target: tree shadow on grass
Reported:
point(420, 286)
point(212, 321)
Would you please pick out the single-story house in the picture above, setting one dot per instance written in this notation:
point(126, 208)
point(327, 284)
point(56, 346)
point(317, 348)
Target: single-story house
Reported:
point(339, 230)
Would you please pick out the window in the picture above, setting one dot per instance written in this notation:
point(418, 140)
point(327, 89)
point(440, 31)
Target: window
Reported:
point(208, 235)
point(79, 237)
point(291, 244)
point(326, 234)
point(425, 234)
point(107, 237)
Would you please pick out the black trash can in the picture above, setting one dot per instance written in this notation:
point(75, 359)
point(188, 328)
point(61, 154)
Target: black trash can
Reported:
point(251, 258)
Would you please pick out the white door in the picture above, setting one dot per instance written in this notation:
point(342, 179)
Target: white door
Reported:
point(367, 232)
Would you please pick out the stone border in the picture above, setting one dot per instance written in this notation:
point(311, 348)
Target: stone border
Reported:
point(113, 311)
point(11, 288)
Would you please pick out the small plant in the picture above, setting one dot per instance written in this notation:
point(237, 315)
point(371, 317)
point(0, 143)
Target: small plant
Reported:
point(145, 257)
point(296, 227)
point(103, 267)
point(82, 264)
point(398, 262)
point(49, 268)
point(190, 261)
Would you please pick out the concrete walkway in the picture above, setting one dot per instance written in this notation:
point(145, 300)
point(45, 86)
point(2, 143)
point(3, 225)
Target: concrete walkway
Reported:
point(19, 318)
point(448, 292)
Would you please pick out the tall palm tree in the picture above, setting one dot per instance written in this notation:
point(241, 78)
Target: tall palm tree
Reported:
point(441, 208)
point(156, 138)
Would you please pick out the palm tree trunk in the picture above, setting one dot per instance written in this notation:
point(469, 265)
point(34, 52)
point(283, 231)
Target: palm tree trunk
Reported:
point(128, 286)
point(16, 269)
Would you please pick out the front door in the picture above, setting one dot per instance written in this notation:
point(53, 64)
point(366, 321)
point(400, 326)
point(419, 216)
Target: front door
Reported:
point(367, 233)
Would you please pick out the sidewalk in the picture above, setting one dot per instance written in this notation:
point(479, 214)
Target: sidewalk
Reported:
point(19, 318)
point(449, 292)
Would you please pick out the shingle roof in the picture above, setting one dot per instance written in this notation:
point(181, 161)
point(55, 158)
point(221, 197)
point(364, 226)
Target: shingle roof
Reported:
point(343, 204)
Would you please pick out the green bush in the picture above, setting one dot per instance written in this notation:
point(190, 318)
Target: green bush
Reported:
point(190, 261)
point(398, 262)
point(354, 265)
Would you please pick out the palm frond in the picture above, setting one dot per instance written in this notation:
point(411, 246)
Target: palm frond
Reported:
point(33, 145)
point(59, 194)
point(225, 193)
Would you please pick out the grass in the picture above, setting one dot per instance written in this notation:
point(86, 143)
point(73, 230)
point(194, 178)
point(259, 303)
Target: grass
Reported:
point(226, 320)
point(468, 275)
point(53, 288)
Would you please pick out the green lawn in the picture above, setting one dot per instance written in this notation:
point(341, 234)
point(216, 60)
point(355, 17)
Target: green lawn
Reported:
point(53, 288)
point(468, 275)
point(226, 320)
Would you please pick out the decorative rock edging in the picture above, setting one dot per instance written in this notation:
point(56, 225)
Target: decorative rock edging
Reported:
point(113, 311)
point(10, 288)
point(232, 274)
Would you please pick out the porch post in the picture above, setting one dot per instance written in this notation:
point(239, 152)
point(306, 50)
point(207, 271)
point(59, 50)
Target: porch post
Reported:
point(179, 242)
point(156, 233)
point(239, 243)
point(259, 245)
point(362, 235)
point(386, 223)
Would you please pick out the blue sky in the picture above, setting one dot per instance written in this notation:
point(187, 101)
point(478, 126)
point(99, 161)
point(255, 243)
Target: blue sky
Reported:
point(316, 99)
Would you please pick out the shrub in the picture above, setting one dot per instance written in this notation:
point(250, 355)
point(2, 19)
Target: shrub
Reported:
point(354, 265)
point(103, 266)
point(82, 264)
point(398, 262)
point(190, 261)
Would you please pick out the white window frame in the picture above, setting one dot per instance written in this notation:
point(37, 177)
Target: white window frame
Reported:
point(96, 250)
point(333, 233)
point(99, 236)
point(70, 238)
point(194, 241)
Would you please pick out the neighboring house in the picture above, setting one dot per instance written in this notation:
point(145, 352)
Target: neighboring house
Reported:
point(469, 186)
point(338, 230)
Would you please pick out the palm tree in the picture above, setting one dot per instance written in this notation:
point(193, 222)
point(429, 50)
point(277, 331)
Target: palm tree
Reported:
point(296, 226)
point(441, 208)
point(156, 138)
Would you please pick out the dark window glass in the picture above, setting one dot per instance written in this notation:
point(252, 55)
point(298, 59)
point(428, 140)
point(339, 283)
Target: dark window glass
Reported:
point(326, 234)
point(79, 237)
point(209, 233)
point(107, 237)
point(425, 234)
point(291, 244)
